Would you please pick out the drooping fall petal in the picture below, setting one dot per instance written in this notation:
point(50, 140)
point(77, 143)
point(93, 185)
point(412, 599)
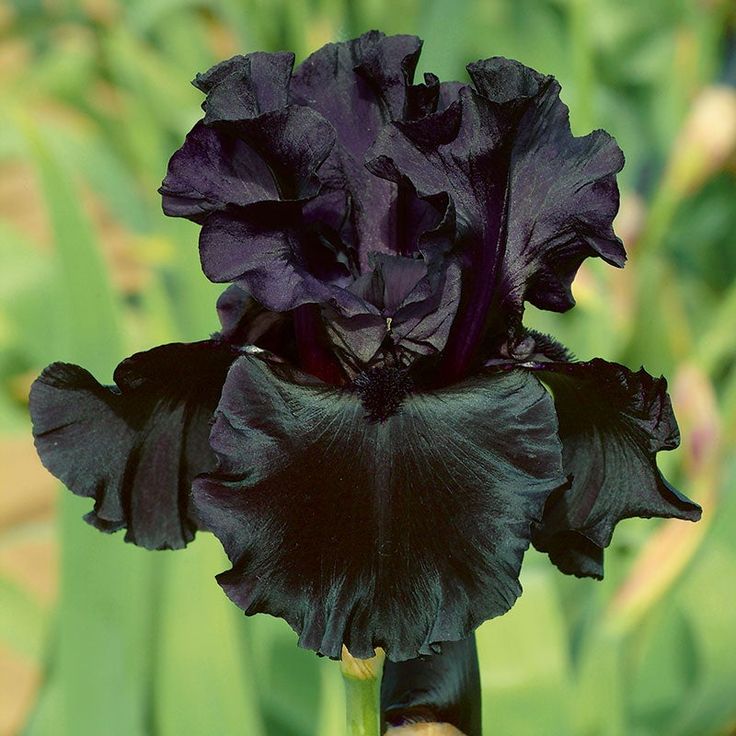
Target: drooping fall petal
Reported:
point(134, 447)
point(401, 532)
point(612, 424)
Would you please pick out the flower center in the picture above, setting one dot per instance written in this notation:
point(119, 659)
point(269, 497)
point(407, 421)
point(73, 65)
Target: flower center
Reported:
point(382, 391)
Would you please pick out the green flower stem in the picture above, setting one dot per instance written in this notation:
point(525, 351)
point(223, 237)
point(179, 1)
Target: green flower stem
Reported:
point(362, 678)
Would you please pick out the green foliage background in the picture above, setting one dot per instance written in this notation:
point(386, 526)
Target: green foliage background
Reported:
point(94, 98)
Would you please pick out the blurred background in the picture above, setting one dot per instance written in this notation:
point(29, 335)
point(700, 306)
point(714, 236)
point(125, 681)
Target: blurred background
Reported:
point(98, 637)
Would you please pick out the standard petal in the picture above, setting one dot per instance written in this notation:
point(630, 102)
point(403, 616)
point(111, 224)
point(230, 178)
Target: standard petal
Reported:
point(401, 533)
point(442, 688)
point(212, 170)
point(273, 157)
point(612, 424)
point(246, 86)
point(358, 85)
point(462, 151)
point(268, 249)
point(134, 447)
point(562, 191)
point(532, 201)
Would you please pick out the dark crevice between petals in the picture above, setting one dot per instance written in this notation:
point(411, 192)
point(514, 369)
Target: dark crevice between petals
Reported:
point(315, 354)
point(134, 447)
point(442, 688)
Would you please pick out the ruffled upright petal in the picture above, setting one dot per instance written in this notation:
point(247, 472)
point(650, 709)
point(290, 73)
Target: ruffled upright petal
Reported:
point(401, 532)
point(562, 192)
point(531, 201)
point(251, 173)
point(360, 86)
point(366, 79)
point(269, 159)
point(268, 250)
point(134, 447)
point(246, 86)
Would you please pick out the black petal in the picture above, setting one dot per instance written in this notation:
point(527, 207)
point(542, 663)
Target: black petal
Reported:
point(134, 447)
point(400, 534)
point(612, 424)
point(574, 554)
point(442, 687)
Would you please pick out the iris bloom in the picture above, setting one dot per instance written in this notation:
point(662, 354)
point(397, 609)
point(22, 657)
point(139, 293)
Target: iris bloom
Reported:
point(373, 435)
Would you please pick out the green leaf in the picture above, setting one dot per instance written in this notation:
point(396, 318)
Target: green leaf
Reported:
point(524, 665)
point(102, 642)
point(22, 620)
point(204, 683)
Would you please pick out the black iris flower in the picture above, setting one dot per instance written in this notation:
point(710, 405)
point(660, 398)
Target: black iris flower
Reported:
point(374, 435)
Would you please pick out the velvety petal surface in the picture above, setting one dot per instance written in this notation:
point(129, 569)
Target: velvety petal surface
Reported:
point(532, 201)
point(363, 80)
point(360, 85)
point(562, 191)
point(251, 174)
point(271, 158)
point(408, 303)
point(401, 533)
point(442, 688)
point(134, 447)
point(275, 171)
point(273, 252)
point(246, 86)
point(612, 424)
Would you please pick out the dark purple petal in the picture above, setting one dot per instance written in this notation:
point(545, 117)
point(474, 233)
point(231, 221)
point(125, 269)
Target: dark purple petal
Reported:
point(359, 86)
point(365, 533)
point(531, 200)
point(210, 171)
point(270, 250)
point(423, 321)
point(246, 86)
point(440, 688)
point(462, 151)
point(246, 322)
point(273, 157)
point(407, 303)
point(562, 194)
point(134, 447)
point(612, 424)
